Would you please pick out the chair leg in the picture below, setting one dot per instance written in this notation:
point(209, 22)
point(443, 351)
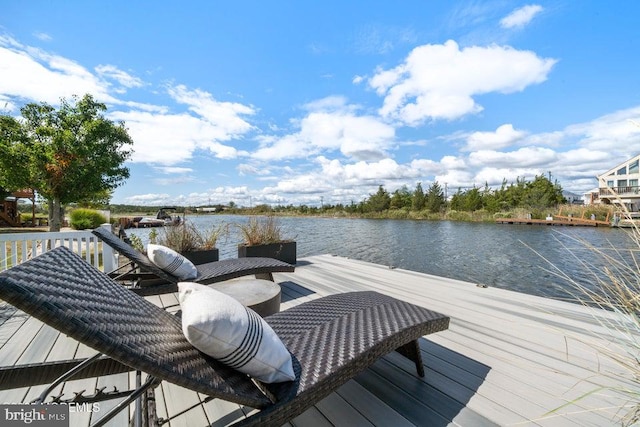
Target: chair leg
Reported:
point(411, 351)
point(265, 276)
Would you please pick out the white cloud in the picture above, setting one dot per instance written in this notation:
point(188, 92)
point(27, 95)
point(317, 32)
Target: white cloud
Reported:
point(525, 157)
point(219, 195)
point(340, 182)
point(150, 199)
point(453, 162)
point(173, 180)
point(329, 104)
point(521, 17)
point(440, 81)
point(32, 74)
point(43, 36)
point(170, 139)
point(226, 117)
point(247, 169)
point(122, 77)
point(504, 136)
point(614, 132)
point(302, 184)
point(494, 176)
point(170, 170)
point(331, 125)
point(357, 80)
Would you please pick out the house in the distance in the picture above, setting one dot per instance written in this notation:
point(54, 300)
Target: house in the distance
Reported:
point(572, 198)
point(619, 185)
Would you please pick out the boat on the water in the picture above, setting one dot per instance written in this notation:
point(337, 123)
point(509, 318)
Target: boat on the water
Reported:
point(163, 218)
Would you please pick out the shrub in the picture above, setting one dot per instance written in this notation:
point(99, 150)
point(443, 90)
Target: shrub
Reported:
point(82, 219)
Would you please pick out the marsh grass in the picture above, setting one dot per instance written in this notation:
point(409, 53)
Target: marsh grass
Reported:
point(261, 231)
point(611, 291)
point(187, 237)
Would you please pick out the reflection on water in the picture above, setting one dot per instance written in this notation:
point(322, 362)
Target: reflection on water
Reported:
point(503, 256)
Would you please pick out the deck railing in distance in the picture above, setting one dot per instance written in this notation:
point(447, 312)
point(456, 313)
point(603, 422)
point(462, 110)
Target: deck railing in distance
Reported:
point(16, 248)
point(620, 191)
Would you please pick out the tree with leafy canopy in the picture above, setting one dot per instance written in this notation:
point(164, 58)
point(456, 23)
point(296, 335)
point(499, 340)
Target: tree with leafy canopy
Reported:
point(380, 201)
point(542, 193)
point(73, 154)
point(435, 197)
point(401, 198)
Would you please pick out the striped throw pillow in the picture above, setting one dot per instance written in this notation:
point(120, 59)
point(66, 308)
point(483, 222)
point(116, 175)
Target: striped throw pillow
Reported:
point(171, 262)
point(218, 325)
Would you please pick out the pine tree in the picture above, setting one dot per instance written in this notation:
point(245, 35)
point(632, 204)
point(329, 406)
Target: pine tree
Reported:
point(418, 199)
point(435, 197)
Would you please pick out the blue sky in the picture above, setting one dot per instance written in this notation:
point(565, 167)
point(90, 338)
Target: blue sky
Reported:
point(298, 102)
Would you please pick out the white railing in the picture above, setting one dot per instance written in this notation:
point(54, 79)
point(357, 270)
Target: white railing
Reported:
point(16, 248)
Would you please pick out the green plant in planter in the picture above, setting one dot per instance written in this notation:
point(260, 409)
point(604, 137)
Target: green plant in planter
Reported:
point(262, 237)
point(261, 231)
point(197, 245)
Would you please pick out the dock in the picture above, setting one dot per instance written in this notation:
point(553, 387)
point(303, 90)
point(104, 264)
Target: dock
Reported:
point(557, 221)
point(507, 359)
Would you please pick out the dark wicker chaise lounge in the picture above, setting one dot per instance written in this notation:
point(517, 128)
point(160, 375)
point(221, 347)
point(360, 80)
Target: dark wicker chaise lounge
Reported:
point(331, 339)
point(208, 273)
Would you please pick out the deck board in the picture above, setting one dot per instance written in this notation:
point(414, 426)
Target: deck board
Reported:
point(507, 359)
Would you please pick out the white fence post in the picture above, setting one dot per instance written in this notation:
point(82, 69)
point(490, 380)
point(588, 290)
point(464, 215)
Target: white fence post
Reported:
point(109, 258)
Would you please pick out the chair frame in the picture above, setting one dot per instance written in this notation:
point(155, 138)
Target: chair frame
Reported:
point(331, 339)
point(156, 280)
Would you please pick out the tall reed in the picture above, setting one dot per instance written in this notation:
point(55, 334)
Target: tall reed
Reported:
point(261, 230)
point(612, 293)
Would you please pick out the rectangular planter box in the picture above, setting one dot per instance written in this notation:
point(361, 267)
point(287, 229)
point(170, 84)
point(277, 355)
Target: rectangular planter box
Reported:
point(285, 251)
point(202, 257)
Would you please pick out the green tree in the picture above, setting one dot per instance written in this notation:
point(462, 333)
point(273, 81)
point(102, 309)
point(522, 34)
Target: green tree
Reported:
point(418, 199)
point(435, 197)
point(401, 198)
point(73, 154)
point(515, 193)
point(470, 200)
point(380, 201)
point(542, 193)
point(458, 200)
point(489, 199)
point(473, 200)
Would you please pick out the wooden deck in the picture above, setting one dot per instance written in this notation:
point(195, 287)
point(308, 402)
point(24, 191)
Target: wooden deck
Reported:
point(507, 359)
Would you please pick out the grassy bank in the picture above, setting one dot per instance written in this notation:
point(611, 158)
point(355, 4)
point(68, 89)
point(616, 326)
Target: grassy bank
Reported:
point(601, 213)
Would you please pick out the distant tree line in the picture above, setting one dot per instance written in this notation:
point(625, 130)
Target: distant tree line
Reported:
point(536, 195)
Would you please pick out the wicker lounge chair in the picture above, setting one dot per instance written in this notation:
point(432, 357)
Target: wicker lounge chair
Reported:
point(331, 339)
point(154, 280)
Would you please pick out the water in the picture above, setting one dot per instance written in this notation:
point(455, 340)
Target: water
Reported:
point(497, 255)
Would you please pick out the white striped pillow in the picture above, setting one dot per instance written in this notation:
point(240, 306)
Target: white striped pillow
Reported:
point(218, 325)
point(171, 262)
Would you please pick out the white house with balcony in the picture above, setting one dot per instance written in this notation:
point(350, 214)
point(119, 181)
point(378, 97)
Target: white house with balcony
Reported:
point(619, 185)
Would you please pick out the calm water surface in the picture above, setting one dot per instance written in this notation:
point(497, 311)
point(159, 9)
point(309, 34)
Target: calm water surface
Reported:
point(504, 256)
